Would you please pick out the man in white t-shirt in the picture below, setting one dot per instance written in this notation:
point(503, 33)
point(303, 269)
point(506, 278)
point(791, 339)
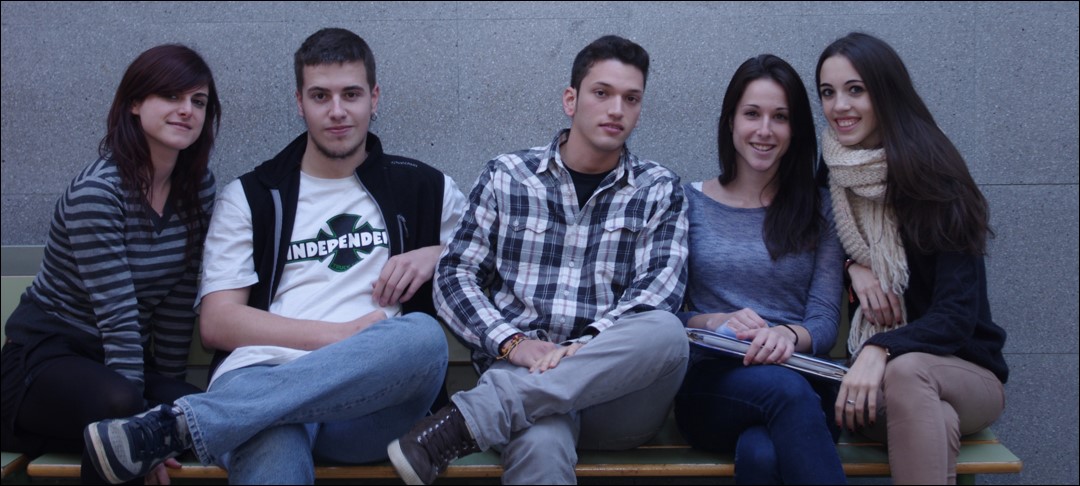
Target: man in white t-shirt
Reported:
point(316, 281)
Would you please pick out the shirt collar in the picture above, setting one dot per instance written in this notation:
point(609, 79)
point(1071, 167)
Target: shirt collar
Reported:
point(553, 159)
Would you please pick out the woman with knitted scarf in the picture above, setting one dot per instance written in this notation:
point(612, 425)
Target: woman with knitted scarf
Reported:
point(927, 357)
point(765, 265)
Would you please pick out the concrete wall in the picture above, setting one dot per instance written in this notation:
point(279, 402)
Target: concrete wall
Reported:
point(462, 82)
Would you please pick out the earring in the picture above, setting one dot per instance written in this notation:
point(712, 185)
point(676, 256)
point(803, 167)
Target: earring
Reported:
point(374, 116)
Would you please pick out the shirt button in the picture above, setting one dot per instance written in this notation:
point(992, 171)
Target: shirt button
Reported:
point(571, 264)
point(566, 292)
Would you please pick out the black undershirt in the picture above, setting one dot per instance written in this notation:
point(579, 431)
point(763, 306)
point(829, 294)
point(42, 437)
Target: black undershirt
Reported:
point(586, 184)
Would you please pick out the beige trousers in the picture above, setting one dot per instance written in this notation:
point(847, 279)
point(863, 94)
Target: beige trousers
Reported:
point(930, 401)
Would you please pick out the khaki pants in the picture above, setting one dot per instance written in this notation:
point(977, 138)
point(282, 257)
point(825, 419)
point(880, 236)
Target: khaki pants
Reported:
point(930, 401)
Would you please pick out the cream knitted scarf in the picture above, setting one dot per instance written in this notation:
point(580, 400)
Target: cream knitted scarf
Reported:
point(866, 225)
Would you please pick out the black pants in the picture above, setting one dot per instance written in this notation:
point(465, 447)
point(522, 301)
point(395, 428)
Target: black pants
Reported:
point(70, 392)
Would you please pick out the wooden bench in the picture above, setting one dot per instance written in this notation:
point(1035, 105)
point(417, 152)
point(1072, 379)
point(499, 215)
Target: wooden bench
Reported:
point(667, 455)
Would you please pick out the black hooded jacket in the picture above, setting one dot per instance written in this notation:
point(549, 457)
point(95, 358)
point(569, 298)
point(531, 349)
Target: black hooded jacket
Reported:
point(408, 192)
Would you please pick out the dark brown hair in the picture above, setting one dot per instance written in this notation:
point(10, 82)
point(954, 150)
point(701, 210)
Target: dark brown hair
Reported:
point(333, 46)
point(793, 218)
point(937, 203)
point(609, 47)
point(164, 70)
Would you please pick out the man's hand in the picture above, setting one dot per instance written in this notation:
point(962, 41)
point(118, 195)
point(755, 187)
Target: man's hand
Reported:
point(551, 360)
point(529, 352)
point(404, 274)
point(360, 323)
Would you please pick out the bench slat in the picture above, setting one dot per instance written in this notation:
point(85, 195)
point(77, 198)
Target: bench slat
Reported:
point(12, 462)
point(860, 459)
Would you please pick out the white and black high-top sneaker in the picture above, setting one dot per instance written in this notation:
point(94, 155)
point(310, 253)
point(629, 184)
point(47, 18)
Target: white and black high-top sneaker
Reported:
point(128, 448)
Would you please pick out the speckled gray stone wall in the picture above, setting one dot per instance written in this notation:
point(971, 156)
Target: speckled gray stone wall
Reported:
point(464, 81)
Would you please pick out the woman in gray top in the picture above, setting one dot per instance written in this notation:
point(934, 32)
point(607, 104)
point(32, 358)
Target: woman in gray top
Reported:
point(105, 328)
point(765, 266)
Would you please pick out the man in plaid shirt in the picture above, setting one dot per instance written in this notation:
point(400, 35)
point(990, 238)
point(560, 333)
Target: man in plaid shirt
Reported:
point(562, 277)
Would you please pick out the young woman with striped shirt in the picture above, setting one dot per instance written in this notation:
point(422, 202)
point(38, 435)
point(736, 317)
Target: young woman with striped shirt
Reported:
point(105, 328)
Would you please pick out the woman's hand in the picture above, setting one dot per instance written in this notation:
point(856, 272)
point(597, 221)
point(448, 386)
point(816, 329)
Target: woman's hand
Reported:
point(767, 345)
point(879, 306)
point(856, 403)
point(739, 320)
point(159, 474)
point(707, 321)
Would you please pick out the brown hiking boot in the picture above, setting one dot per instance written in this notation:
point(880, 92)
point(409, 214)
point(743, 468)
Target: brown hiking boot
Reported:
point(424, 452)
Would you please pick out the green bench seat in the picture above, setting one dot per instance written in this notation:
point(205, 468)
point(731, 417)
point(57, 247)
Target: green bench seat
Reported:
point(667, 455)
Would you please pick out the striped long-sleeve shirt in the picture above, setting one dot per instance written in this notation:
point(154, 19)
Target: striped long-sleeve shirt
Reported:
point(525, 258)
point(117, 274)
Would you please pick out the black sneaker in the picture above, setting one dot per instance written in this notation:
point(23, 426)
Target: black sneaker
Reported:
point(128, 448)
point(424, 452)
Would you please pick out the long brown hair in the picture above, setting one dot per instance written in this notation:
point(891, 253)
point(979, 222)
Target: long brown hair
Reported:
point(793, 219)
point(163, 70)
point(937, 203)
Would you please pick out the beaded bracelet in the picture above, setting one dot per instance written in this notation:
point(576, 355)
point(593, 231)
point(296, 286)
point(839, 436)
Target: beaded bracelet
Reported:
point(515, 340)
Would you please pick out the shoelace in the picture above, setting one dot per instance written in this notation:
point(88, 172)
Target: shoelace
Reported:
point(154, 438)
point(437, 442)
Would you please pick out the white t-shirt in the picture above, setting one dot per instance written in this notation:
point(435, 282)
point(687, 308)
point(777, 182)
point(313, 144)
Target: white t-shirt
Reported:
point(338, 246)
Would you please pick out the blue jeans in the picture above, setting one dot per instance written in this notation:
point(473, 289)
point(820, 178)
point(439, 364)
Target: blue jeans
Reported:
point(341, 403)
point(772, 418)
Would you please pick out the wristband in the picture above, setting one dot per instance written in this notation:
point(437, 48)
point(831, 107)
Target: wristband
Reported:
point(514, 341)
point(793, 332)
point(847, 278)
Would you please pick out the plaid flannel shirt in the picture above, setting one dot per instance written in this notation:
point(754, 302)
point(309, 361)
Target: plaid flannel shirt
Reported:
point(525, 258)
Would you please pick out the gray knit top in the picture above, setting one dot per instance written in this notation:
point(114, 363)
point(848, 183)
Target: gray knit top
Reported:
point(730, 268)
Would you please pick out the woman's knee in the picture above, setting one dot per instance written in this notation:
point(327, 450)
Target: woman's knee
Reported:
point(789, 387)
point(909, 387)
point(906, 370)
point(773, 387)
point(118, 400)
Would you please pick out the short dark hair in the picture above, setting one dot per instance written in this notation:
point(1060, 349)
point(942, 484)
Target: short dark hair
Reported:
point(164, 70)
point(330, 46)
point(609, 47)
point(792, 220)
point(937, 203)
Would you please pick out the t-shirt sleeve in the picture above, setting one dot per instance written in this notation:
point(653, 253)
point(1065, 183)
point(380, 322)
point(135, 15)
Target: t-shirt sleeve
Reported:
point(228, 255)
point(453, 208)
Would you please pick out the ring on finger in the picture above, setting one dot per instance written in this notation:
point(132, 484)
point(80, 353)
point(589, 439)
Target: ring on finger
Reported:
point(851, 402)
